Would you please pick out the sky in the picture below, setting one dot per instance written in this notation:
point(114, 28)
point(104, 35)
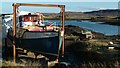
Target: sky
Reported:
point(76, 6)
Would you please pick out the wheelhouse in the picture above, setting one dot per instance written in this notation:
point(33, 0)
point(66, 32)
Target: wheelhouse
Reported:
point(31, 20)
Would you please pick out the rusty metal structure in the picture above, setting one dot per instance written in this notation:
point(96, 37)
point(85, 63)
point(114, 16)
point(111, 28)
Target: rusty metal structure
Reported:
point(17, 5)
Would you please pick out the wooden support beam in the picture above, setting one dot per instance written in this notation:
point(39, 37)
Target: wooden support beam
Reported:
point(42, 5)
point(14, 32)
point(63, 17)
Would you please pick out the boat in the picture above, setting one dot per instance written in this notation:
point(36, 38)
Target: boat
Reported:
point(29, 31)
point(36, 36)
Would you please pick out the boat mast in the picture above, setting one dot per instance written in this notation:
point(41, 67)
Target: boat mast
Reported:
point(16, 5)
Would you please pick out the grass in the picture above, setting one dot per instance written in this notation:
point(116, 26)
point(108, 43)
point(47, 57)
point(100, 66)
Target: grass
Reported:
point(101, 65)
point(93, 51)
point(25, 61)
point(29, 63)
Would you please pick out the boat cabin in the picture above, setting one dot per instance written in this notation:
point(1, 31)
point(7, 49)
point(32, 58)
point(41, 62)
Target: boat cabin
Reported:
point(31, 20)
point(35, 22)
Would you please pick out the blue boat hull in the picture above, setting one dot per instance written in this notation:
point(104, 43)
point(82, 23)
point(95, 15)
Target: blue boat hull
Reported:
point(46, 43)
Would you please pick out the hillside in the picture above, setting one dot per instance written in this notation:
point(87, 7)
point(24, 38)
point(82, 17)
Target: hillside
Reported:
point(108, 12)
point(109, 16)
point(80, 15)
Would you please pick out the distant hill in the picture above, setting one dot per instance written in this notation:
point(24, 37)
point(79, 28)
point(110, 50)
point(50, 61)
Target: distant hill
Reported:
point(86, 15)
point(108, 16)
point(107, 12)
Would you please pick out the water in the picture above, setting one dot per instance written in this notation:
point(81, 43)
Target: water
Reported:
point(94, 26)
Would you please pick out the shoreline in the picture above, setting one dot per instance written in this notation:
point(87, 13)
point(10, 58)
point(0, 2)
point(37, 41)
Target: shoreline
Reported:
point(99, 36)
point(109, 22)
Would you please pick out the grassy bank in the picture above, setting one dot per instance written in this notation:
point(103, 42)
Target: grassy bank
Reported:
point(92, 53)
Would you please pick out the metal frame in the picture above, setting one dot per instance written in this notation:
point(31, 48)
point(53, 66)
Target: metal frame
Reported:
point(16, 5)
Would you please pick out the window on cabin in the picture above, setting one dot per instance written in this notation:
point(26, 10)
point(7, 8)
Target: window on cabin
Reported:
point(35, 19)
point(26, 18)
point(30, 18)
